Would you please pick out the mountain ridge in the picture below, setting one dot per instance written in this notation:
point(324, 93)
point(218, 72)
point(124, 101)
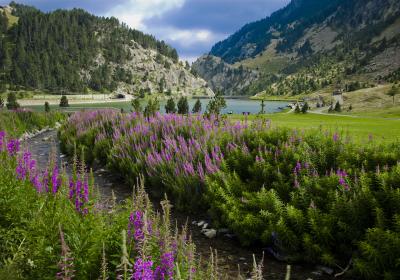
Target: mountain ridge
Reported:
point(74, 51)
point(310, 45)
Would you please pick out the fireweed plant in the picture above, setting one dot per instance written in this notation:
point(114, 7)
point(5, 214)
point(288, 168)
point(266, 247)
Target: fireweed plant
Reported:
point(313, 196)
point(54, 226)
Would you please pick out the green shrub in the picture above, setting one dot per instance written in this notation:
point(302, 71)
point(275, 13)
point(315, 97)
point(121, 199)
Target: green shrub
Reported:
point(312, 196)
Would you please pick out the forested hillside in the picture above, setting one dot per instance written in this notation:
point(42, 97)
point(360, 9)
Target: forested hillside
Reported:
point(314, 44)
point(75, 51)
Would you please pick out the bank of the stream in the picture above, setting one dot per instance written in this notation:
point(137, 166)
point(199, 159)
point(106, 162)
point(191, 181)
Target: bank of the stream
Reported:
point(231, 254)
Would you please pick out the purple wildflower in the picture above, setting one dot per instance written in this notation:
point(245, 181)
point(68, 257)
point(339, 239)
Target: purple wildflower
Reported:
point(13, 147)
point(136, 223)
point(335, 137)
point(297, 168)
point(55, 180)
point(143, 270)
point(166, 268)
point(342, 179)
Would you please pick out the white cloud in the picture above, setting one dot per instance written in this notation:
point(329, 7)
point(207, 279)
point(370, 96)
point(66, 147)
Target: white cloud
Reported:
point(134, 12)
point(188, 37)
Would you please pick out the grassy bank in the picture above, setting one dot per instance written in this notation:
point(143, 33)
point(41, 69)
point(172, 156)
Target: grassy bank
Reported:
point(17, 122)
point(54, 226)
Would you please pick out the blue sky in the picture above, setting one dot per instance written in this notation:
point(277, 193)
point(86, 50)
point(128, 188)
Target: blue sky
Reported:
point(191, 26)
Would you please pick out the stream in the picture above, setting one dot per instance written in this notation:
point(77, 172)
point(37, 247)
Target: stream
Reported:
point(230, 253)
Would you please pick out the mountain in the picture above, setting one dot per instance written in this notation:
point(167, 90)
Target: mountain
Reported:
point(74, 51)
point(222, 76)
point(314, 44)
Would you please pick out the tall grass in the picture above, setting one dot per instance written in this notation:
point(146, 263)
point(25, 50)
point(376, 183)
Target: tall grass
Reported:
point(19, 121)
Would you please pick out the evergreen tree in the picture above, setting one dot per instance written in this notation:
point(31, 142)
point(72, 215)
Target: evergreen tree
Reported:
point(47, 107)
point(152, 107)
point(305, 108)
point(3, 22)
point(216, 104)
point(170, 107)
point(262, 107)
point(64, 101)
point(393, 92)
point(137, 107)
point(1, 102)
point(197, 107)
point(12, 103)
point(338, 107)
point(183, 106)
point(162, 84)
point(297, 109)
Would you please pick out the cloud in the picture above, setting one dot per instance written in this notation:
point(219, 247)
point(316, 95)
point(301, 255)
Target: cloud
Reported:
point(223, 16)
point(194, 27)
point(135, 12)
point(93, 6)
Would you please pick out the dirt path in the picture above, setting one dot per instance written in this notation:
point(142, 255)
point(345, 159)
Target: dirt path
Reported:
point(230, 254)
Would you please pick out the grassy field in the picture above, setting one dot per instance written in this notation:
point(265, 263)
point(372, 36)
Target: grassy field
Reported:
point(357, 128)
point(78, 107)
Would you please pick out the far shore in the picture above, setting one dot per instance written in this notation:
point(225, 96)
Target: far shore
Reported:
point(55, 100)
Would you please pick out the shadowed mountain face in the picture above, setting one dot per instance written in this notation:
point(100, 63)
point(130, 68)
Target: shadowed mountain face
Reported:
point(74, 51)
point(311, 44)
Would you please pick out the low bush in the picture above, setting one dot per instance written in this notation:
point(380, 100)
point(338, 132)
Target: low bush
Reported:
point(309, 196)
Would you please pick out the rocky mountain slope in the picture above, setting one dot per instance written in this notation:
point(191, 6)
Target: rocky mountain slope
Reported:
point(73, 52)
point(222, 76)
point(314, 44)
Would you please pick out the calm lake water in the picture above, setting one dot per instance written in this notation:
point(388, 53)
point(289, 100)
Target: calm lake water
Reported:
point(236, 106)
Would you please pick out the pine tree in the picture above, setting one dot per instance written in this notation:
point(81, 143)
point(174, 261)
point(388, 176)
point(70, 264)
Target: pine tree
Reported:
point(338, 107)
point(137, 107)
point(297, 109)
point(216, 104)
point(183, 106)
point(64, 101)
point(393, 92)
point(197, 107)
point(152, 107)
point(170, 107)
point(47, 107)
point(12, 103)
point(262, 107)
point(3, 22)
point(305, 108)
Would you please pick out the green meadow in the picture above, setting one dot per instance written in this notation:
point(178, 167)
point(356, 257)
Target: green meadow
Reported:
point(359, 128)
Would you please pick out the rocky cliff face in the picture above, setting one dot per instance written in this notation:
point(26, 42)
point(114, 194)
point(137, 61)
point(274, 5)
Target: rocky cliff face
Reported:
point(156, 74)
point(229, 79)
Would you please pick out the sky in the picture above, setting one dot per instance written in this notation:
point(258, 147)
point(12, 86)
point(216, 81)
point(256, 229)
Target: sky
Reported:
point(190, 26)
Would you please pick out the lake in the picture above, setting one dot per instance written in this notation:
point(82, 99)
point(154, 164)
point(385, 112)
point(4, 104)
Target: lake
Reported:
point(236, 106)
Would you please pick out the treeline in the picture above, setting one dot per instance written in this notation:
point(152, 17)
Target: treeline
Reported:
point(58, 50)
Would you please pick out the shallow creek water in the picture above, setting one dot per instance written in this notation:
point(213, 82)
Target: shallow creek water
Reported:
point(230, 253)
